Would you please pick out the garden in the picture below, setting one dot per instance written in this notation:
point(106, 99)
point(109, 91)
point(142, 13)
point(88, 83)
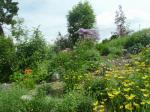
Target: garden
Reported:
point(75, 74)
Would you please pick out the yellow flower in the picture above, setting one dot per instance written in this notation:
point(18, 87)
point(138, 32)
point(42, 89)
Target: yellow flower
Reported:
point(96, 103)
point(121, 107)
point(146, 95)
point(102, 108)
point(143, 102)
point(125, 84)
point(131, 97)
point(126, 65)
point(127, 89)
point(94, 109)
point(136, 62)
point(116, 92)
point(145, 77)
point(129, 106)
point(121, 77)
point(143, 90)
point(148, 102)
point(142, 64)
point(111, 96)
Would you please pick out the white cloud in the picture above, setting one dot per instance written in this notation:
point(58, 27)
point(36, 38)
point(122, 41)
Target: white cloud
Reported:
point(51, 14)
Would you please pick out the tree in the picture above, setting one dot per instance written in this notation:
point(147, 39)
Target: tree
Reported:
point(32, 51)
point(61, 43)
point(19, 31)
point(7, 56)
point(120, 21)
point(81, 16)
point(8, 9)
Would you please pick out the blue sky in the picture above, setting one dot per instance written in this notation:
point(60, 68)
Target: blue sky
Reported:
point(51, 15)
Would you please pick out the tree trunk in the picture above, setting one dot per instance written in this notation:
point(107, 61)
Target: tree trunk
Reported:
point(1, 31)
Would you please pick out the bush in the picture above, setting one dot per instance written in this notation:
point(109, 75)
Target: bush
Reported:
point(145, 55)
point(44, 89)
point(7, 58)
point(31, 51)
point(39, 105)
point(72, 80)
point(105, 51)
point(113, 48)
point(62, 43)
point(96, 88)
point(40, 71)
point(75, 102)
point(24, 80)
point(138, 41)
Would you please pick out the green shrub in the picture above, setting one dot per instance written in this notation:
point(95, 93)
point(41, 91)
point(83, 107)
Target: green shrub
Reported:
point(44, 89)
point(40, 71)
point(39, 105)
point(17, 77)
point(113, 48)
point(138, 41)
point(10, 100)
point(105, 51)
point(75, 102)
point(7, 58)
point(94, 88)
point(144, 55)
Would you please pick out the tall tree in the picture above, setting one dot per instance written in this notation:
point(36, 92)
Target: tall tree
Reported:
point(8, 9)
point(120, 21)
point(81, 16)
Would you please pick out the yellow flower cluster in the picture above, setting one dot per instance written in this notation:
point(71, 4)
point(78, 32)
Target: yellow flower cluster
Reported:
point(98, 107)
point(128, 88)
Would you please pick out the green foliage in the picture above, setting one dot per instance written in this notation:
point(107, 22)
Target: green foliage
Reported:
point(39, 105)
point(10, 100)
point(96, 88)
point(44, 89)
point(81, 16)
point(125, 89)
point(40, 72)
point(19, 31)
point(145, 55)
point(32, 51)
point(75, 102)
point(138, 41)
point(114, 37)
point(32, 54)
point(24, 80)
point(61, 43)
point(83, 59)
point(7, 58)
point(86, 56)
point(17, 77)
point(73, 80)
point(113, 48)
point(8, 9)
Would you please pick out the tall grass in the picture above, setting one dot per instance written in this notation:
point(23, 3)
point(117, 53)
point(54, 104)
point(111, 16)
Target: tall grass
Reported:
point(10, 99)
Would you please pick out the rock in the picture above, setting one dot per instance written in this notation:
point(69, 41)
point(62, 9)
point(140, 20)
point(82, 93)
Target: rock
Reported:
point(55, 77)
point(26, 97)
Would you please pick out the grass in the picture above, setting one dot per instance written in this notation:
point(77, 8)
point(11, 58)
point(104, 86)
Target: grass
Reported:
point(113, 48)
